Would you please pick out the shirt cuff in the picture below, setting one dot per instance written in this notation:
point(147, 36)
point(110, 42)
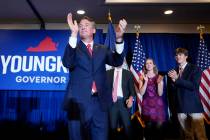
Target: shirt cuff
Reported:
point(120, 48)
point(73, 41)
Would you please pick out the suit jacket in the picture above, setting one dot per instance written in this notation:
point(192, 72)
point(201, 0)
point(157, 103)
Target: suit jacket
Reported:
point(127, 83)
point(186, 90)
point(84, 69)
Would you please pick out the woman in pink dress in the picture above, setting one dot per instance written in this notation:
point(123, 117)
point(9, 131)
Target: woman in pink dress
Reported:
point(151, 88)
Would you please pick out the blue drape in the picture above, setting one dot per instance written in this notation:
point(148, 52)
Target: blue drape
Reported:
point(161, 47)
point(44, 107)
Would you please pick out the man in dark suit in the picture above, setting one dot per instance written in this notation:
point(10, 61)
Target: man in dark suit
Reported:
point(87, 100)
point(185, 82)
point(121, 85)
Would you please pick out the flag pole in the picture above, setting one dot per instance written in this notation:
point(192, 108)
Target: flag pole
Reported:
point(201, 28)
point(202, 92)
point(110, 37)
point(109, 16)
point(137, 28)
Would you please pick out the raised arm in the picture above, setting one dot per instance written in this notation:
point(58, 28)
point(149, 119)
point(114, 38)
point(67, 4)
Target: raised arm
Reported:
point(69, 54)
point(72, 25)
point(143, 84)
point(160, 85)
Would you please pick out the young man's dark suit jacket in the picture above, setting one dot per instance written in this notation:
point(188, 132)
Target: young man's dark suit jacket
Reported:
point(128, 90)
point(84, 69)
point(127, 83)
point(185, 91)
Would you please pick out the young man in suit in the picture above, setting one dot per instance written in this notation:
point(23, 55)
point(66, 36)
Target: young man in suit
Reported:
point(185, 82)
point(121, 85)
point(87, 100)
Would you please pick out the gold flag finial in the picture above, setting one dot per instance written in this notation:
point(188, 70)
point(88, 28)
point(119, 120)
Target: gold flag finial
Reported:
point(201, 28)
point(137, 27)
point(109, 16)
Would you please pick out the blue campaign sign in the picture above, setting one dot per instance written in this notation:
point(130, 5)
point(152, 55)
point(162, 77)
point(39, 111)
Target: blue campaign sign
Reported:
point(32, 59)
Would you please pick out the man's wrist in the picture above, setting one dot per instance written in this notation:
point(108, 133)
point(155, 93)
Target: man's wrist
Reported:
point(119, 41)
point(73, 41)
point(131, 98)
point(74, 34)
point(176, 78)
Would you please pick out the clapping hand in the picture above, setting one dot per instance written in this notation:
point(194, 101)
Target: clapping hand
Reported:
point(72, 25)
point(120, 30)
point(159, 79)
point(145, 77)
point(173, 75)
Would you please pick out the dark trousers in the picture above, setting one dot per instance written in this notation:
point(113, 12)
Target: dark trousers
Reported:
point(74, 130)
point(92, 123)
point(119, 116)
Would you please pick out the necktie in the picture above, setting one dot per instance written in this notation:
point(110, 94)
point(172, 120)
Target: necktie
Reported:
point(114, 92)
point(94, 89)
point(180, 72)
point(89, 49)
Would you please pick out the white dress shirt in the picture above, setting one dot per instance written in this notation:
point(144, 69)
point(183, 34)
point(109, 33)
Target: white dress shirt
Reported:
point(183, 66)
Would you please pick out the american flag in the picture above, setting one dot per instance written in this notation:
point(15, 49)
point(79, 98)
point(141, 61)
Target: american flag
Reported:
point(203, 59)
point(137, 64)
point(110, 37)
point(203, 62)
point(138, 60)
point(110, 40)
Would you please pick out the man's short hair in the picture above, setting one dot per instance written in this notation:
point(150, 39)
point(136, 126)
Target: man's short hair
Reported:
point(181, 51)
point(89, 19)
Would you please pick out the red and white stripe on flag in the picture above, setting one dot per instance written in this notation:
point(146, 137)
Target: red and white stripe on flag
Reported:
point(136, 81)
point(204, 91)
point(139, 96)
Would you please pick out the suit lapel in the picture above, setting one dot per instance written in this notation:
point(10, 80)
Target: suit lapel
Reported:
point(123, 77)
point(96, 56)
point(84, 49)
point(185, 71)
point(112, 77)
point(123, 80)
point(95, 50)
